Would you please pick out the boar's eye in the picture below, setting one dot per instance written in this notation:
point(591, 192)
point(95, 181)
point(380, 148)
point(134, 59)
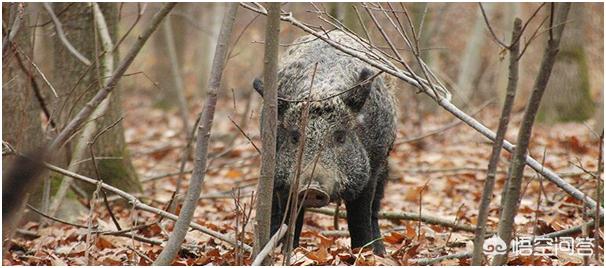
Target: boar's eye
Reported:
point(294, 136)
point(340, 136)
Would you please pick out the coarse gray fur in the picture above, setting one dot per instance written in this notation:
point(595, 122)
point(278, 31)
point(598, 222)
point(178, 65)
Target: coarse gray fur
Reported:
point(348, 137)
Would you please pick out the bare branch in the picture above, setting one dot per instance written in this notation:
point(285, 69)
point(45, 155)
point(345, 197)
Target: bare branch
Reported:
point(516, 171)
point(270, 245)
point(494, 36)
point(441, 100)
point(193, 192)
point(512, 83)
point(392, 215)
point(86, 111)
point(61, 34)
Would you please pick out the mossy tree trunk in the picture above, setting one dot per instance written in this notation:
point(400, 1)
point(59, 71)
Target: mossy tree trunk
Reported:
point(568, 96)
point(113, 161)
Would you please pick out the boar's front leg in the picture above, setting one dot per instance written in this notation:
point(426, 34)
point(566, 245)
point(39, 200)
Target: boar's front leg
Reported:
point(382, 176)
point(359, 217)
point(278, 211)
point(278, 205)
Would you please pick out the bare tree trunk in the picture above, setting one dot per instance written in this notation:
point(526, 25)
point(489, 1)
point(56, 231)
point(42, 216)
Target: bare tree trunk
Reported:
point(162, 71)
point(514, 52)
point(21, 126)
point(516, 170)
point(202, 140)
point(209, 39)
point(268, 131)
point(510, 12)
point(469, 67)
point(179, 90)
point(80, 147)
point(569, 97)
point(598, 125)
point(78, 24)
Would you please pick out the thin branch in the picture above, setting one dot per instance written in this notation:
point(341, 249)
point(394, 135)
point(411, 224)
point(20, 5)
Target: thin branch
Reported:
point(244, 134)
point(494, 36)
point(516, 171)
point(442, 129)
point(392, 215)
point(202, 141)
point(86, 111)
point(270, 245)
point(512, 84)
point(16, 24)
point(61, 34)
point(91, 127)
point(54, 218)
point(142, 206)
point(442, 101)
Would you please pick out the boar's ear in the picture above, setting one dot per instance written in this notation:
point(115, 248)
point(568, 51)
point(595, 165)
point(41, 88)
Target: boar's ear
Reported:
point(258, 86)
point(282, 105)
point(357, 96)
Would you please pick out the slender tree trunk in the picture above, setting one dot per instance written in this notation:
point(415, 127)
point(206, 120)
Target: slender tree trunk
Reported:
point(510, 12)
point(208, 40)
point(470, 64)
point(179, 91)
point(176, 238)
point(516, 170)
point(162, 72)
point(78, 25)
point(568, 95)
point(514, 52)
point(268, 130)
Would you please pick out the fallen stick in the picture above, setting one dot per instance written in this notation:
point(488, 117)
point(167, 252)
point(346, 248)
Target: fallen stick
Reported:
point(468, 254)
point(273, 242)
point(137, 204)
point(444, 102)
point(389, 215)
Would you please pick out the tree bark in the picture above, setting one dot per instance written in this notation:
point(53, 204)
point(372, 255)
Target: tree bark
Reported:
point(21, 126)
point(512, 84)
point(208, 40)
point(568, 95)
point(202, 140)
point(162, 72)
point(470, 64)
point(78, 25)
point(516, 169)
point(268, 131)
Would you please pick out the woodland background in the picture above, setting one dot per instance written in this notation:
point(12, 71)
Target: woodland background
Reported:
point(438, 165)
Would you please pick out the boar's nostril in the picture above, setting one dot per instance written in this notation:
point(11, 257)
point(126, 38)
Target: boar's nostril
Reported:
point(314, 197)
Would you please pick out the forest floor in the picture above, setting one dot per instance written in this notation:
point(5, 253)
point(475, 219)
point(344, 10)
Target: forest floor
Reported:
point(445, 172)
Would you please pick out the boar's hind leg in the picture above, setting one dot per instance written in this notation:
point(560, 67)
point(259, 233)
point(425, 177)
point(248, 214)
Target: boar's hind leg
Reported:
point(359, 217)
point(382, 174)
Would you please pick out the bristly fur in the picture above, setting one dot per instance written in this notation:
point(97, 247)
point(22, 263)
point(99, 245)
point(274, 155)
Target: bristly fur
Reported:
point(350, 135)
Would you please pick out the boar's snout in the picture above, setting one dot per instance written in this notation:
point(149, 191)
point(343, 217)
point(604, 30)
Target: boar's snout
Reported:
point(313, 196)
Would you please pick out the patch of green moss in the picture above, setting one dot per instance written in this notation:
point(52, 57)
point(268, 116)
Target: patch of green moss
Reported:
point(120, 174)
point(583, 107)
